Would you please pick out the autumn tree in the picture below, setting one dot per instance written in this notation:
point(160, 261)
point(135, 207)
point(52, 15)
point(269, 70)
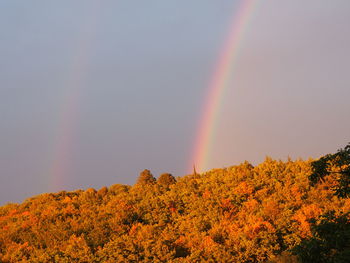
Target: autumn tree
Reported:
point(330, 237)
point(337, 163)
point(242, 213)
point(330, 241)
point(166, 180)
point(146, 177)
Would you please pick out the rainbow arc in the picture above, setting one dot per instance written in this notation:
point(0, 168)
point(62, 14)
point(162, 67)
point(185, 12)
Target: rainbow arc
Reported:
point(218, 85)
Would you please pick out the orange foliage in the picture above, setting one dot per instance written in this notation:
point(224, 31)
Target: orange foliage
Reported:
point(239, 214)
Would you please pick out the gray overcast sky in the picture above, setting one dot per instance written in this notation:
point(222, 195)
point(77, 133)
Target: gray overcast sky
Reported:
point(93, 92)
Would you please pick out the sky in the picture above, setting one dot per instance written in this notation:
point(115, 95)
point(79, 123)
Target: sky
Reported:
point(94, 92)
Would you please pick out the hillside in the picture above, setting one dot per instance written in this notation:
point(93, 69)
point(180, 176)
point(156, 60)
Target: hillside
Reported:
point(237, 214)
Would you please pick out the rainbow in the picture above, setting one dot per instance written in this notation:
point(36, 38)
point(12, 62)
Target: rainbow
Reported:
point(68, 115)
point(218, 85)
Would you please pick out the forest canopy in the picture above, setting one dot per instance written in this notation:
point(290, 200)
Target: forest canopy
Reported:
point(266, 213)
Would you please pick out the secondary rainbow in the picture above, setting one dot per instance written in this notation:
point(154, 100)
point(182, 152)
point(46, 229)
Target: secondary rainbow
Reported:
point(219, 83)
point(68, 115)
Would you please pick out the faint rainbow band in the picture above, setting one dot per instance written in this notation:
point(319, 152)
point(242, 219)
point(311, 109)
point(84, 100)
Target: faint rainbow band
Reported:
point(68, 115)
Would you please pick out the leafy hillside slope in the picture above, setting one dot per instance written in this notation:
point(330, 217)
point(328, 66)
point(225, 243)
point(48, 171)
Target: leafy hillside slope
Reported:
point(238, 214)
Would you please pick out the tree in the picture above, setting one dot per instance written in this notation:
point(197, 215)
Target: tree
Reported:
point(146, 177)
point(237, 214)
point(340, 162)
point(166, 180)
point(330, 241)
point(330, 233)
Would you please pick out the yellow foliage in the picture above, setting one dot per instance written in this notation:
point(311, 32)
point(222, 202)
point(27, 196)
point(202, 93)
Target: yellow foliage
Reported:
point(238, 214)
